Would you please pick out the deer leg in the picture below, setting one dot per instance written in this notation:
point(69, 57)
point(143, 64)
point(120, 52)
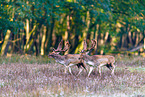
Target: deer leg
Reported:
point(69, 66)
point(80, 70)
point(109, 66)
point(85, 67)
point(91, 69)
point(81, 66)
point(113, 68)
point(99, 68)
point(66, 68)
point(70, 71)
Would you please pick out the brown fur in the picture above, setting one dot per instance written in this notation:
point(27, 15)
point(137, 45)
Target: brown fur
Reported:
point(68, 61)
point(99, 61)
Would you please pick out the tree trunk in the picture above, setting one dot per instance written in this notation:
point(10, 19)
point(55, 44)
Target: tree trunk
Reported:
point(65, 37)
point(96, 36)
point(27, 34)
point(130, 40)
point(43, 40)
point(102, 44)
point(6, 43)
point(136, 42)
point(122, 41)
point(144, 39)
point(80, 46)
point(106, 37)
point(29, 42)
point(113, 44)
point(35, 41)
point(50, 34)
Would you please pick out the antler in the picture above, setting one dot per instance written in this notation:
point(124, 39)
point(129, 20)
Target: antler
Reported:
point(85, 45)
point(85, 49)
point(67, 45)
point(59, 48)
point(93, 44)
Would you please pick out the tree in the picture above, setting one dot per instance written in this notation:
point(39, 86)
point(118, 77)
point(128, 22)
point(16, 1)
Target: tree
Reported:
point(34, 26)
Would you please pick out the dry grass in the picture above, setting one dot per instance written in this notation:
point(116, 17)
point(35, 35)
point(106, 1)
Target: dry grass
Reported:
point(23, 76)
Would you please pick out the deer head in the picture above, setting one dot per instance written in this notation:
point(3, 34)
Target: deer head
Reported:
point(86, 50)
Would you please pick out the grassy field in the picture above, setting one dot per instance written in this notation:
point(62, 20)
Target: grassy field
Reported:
point(27, 76)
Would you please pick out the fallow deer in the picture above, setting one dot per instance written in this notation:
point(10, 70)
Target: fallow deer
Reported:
point(67, 60)
point(97, 61)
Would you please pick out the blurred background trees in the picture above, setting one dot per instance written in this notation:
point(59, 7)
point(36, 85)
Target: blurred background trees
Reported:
point(35, 26)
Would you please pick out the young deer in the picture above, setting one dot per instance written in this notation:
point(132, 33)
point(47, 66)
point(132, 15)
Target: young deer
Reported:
point(67, 60)
point(97, 61)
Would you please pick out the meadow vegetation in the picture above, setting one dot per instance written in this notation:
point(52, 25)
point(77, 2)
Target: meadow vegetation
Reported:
point(27, 76)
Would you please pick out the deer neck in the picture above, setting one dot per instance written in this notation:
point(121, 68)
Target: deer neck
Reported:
point(59, 58)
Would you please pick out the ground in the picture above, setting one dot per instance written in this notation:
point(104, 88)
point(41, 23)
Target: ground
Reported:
point(26, 75)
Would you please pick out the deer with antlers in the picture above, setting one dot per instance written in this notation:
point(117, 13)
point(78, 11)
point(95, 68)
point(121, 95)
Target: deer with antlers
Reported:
point(67, 60)
point(97, 60)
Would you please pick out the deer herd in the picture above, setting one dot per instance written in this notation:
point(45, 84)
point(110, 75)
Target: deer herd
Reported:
point(82, 60)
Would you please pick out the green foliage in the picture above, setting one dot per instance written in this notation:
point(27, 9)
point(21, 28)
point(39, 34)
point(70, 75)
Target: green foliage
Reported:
point(129, 14)
point(8, 17)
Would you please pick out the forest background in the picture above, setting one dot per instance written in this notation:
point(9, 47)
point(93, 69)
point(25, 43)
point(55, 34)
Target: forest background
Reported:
point(36, 26)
